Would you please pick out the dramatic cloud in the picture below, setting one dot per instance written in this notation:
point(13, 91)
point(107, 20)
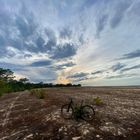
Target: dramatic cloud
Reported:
point(121, 76)
point(81, 79)
point(41, 63)
point(97, 72)
point(78, 75)
point(67, 50)
point(131, 55)
point(119, 13)
point(70, 64)
point(27, 55)
point(101, 22)
point(117, 66)
point(71, 41)
point(17, 31)
point(40, 42)
point(65, 33)
point(64, 66)
point(52, 41)
point(131, 68)
point(26, 26)
point(11, 66)
point(135, 9)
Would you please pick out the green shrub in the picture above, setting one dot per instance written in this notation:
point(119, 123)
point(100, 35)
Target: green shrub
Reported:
point(1, 94)
point(78, 112)
point(97, 101)
point(39, 93)
point(4, 88)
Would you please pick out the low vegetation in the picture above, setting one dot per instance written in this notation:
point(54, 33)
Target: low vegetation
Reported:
point(39, 93)
point(97, 101)
point(77, 112)
point(1, 94)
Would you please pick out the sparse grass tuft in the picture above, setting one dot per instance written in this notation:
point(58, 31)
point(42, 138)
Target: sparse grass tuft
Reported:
point(97, 101)
point(39, 93)
point(32, 92)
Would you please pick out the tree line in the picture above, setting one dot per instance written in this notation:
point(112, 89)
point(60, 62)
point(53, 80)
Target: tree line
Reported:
point(8, 83)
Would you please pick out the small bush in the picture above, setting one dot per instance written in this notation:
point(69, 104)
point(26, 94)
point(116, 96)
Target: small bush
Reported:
point(1, 94)
point(39, 93)
point(32, 91)
point(78, 112)
point(97, 101)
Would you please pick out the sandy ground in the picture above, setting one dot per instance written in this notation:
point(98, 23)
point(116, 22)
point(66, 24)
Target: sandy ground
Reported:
point(25, 117)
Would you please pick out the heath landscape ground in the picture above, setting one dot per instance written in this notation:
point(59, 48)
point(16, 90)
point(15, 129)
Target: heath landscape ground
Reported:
point(29, 115)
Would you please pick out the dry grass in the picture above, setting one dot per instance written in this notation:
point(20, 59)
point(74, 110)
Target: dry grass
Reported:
point(97, 101)
point(39, 93)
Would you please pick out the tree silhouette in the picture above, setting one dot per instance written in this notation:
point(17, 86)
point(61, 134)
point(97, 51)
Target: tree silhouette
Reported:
point(6, 75)
point(24, 80)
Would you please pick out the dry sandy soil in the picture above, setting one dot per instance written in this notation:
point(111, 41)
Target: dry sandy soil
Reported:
point(25, 117)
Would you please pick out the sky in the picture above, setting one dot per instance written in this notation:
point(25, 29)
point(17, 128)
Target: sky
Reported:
point(91, 42)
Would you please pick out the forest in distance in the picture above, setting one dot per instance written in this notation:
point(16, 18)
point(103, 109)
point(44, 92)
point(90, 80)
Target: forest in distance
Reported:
point(8, 83)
